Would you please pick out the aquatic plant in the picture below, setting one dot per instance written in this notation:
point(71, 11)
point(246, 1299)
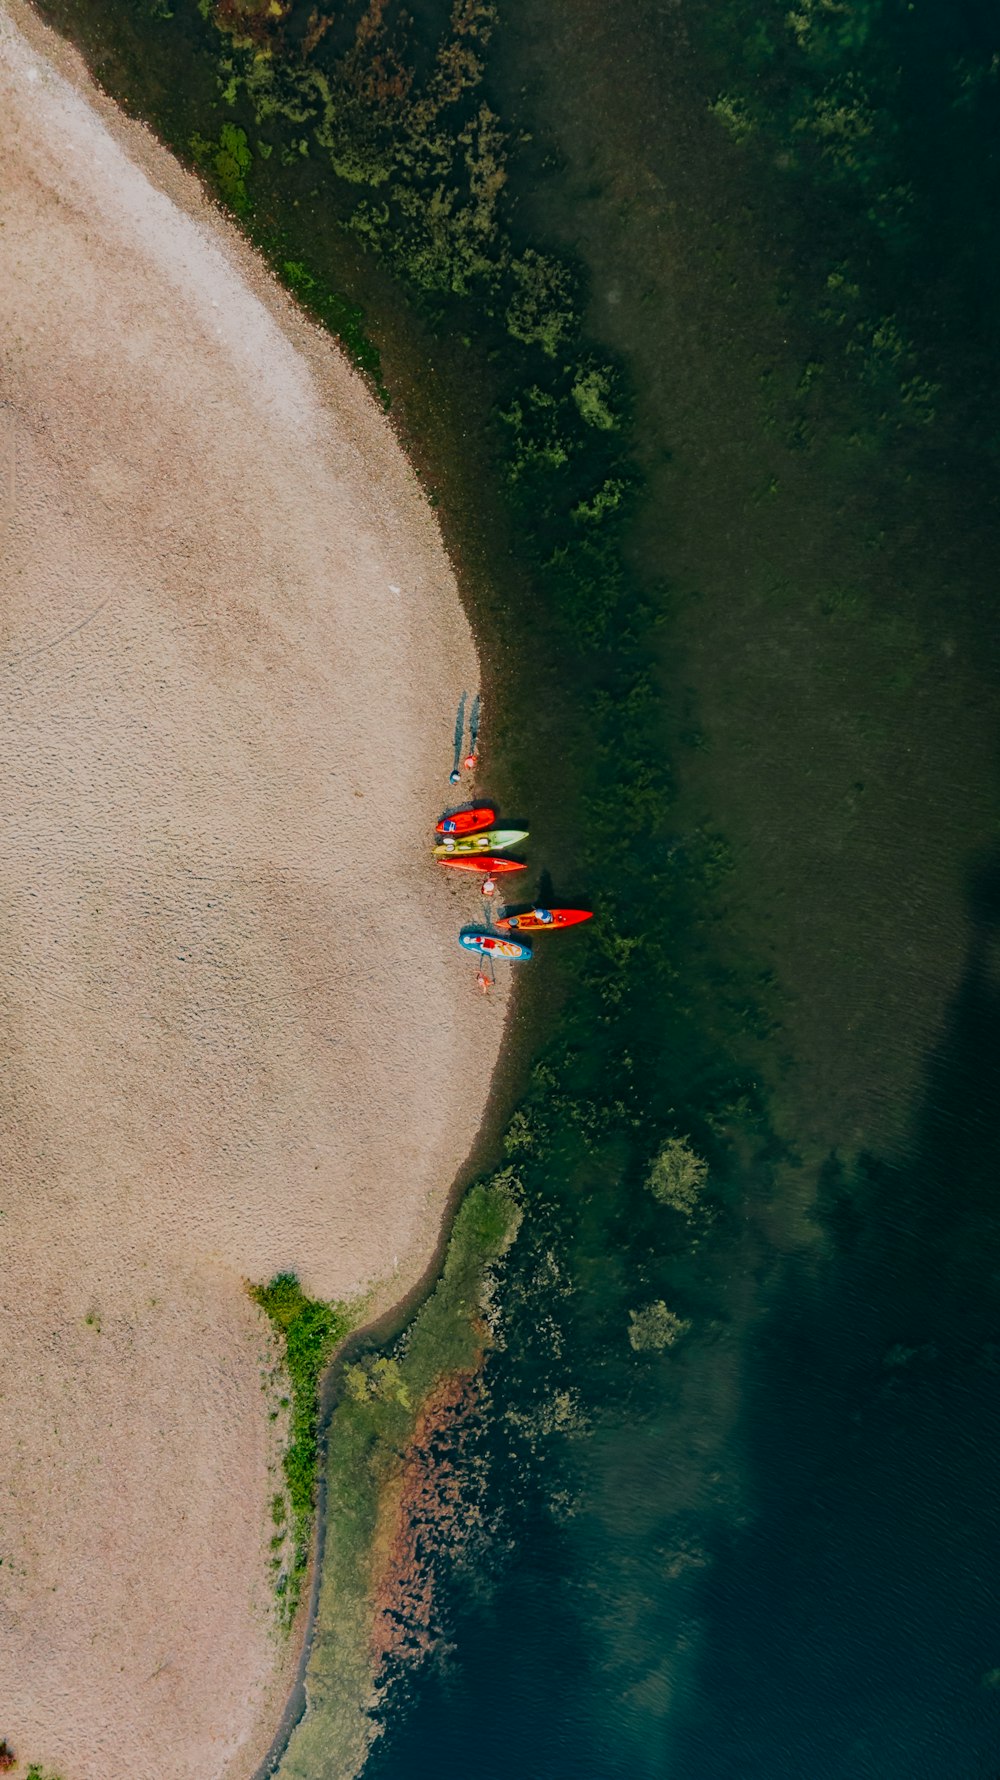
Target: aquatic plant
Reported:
point(522, 1133)
point(653, 1326)
point(593, 391)
point(733, 115)
point(343, 318)
point(678, 1176)
point(230, 159)
point(836, 105)
point(542, 310)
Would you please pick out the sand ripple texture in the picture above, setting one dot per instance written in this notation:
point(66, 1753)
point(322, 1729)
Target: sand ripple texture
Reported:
point(238, 1034)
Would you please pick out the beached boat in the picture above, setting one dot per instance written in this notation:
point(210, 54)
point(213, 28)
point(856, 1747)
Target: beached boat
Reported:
point(466, 821)
point(492, 864)
point(541, 920)
point(493, 841)
point(477, 939)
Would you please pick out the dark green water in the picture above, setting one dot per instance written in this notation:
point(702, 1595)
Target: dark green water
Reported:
point(772, 1549)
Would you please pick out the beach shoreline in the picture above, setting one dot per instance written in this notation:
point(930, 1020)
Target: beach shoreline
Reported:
point(386, 1319)
point(214, 540)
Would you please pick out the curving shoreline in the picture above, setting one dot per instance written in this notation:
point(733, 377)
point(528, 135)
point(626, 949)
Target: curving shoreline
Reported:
point(378, 1332)
point(213, 518)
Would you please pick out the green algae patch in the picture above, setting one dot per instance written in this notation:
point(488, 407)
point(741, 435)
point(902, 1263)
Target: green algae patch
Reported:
point(371, 1432)
point(654, 1326)
point(229, 160)
point(309, 1330)
point(678, 1177)
point(343, 319)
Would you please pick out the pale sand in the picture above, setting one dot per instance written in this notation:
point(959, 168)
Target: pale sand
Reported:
point(238, 1033)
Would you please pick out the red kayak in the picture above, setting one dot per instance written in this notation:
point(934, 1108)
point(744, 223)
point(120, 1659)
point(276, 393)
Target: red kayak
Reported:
point(484, 862)
point(466, 821)
point(537, 920)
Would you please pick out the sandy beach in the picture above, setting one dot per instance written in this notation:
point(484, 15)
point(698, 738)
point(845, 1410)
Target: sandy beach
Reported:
point(238, 1033)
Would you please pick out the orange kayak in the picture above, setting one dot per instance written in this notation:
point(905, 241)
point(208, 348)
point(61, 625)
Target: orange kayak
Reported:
point(538, 920)
point(484, 862)
point(465, 821)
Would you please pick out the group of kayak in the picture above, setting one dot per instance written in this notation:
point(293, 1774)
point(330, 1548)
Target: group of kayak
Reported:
point(468, 842)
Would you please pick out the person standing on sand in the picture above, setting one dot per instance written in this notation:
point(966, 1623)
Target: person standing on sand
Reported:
point(489, 886)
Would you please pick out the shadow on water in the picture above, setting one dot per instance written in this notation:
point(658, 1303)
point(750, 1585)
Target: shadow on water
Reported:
point(852, 1629)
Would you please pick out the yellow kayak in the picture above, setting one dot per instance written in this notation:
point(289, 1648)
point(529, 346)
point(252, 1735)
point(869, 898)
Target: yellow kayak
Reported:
point(493, 841)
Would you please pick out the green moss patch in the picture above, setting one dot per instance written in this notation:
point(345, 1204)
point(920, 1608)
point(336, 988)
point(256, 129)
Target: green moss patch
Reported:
point(309, 1331)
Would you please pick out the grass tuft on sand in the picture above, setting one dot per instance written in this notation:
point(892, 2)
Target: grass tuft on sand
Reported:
point(308, 1330)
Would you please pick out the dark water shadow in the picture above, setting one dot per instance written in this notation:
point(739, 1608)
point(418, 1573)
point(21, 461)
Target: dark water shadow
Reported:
point(546, 892)
point(851, 1630)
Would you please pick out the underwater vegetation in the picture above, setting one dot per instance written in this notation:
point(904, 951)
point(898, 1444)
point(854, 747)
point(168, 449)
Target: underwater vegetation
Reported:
point(678, 1177)
point(875, 128)
point(654, 1326)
